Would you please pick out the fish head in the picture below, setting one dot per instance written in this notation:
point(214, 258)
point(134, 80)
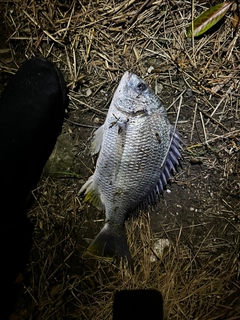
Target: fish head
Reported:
point(133, 96)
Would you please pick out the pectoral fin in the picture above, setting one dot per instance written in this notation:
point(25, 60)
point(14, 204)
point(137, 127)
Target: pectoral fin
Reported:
point(92, 194)
point(97, 140)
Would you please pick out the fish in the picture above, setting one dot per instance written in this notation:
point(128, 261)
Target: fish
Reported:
point(138, 151)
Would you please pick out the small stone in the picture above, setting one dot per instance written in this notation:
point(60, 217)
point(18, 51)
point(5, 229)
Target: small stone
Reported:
point(158, 248)
point(158, 88)
point(189, 92)
point(88, 92)
point(150, 69)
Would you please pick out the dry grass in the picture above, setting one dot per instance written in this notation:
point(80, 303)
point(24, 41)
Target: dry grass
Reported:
point(93, 42)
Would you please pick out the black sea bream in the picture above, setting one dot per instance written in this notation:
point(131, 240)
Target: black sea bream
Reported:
point(138, 150)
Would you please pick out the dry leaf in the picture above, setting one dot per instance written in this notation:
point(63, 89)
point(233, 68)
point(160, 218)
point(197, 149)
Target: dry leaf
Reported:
point(235, 20)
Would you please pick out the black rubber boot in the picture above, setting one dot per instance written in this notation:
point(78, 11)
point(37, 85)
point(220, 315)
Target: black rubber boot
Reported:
point(31, 116)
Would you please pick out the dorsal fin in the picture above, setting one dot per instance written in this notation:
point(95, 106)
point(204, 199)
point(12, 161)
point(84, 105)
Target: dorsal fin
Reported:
point(169, 169)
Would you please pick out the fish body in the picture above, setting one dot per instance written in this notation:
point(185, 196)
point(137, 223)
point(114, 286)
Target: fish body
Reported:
point(138, 150)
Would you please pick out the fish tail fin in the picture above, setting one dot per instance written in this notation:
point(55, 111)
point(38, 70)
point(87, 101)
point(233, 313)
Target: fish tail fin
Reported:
point(112, 243)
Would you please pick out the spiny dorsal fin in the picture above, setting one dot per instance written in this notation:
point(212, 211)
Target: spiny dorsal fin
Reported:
point(169, 168)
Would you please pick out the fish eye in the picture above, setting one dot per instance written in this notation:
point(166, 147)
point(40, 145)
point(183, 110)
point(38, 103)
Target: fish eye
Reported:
point(141, 86)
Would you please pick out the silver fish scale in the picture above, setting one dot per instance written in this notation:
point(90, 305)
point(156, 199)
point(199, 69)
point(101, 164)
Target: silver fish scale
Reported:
point(131, 159)
point(139, 150)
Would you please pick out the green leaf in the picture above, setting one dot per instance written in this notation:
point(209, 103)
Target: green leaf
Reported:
point(208, 19)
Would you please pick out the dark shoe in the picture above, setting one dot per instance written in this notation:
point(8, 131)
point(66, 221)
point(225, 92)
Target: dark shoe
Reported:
point(31, 116)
